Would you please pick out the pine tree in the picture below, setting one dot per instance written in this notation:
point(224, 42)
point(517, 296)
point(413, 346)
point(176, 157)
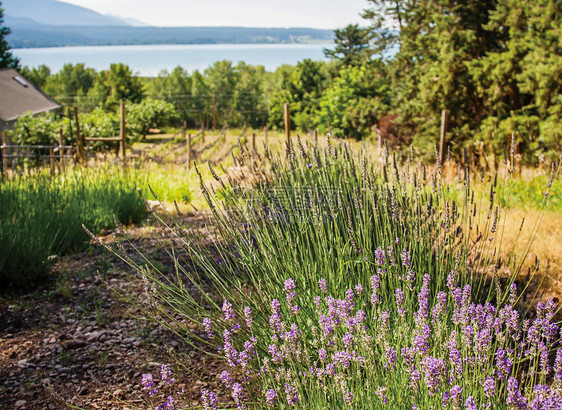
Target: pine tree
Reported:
point(7, 59)
point(352, 45)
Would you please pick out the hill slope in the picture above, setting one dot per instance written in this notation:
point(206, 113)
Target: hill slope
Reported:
point(56, 13)
point(59, 36)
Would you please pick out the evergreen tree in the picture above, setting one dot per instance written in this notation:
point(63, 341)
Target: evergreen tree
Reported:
point(7, 59)
point(352, 45)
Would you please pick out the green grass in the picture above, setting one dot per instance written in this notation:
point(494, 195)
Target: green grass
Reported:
point(41, 217)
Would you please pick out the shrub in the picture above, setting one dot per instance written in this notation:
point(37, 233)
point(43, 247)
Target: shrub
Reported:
point(147, 114)
point(37, 130)
point(42, 216)
point(336, 282)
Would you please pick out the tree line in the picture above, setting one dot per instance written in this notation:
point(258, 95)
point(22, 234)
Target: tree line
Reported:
point(495, 66)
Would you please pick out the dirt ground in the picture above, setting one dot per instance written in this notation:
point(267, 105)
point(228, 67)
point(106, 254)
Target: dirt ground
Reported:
point(78, 341)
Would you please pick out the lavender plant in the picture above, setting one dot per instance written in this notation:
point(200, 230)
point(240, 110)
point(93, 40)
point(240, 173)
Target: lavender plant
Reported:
point(157, 389)
point(336, 281)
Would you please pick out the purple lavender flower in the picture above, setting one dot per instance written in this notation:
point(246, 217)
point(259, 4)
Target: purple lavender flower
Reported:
point(317, 302)
point(440, 307)
point(406, 259)
point(489, 387)
point(238, 395)
point(347, 340)
point(271, 397)
point(322, 354)
point(421, 339)
point(558, 366)
point(512, 294)
point(359, 289)
point(503, 364)
point(456, 361)
point(227, 310)
point(170, 403)
point(226, 379)
point(399, 297)
point(434, 372)
point(148, 384)
point(349, 295)
point(275, 321)
point(379, 256)
point(545, 398)
point(514, 396)
point(292, 395)
point(249, 346)
point(470, 404)
point(208, 326)
point(423, 300)
point(289, 285)
point(322, 285)
point(381, 392)
point(274, 352)
point(342, 358)
point(456, 395)
point(375, 283)
point(391, 356)
point(166, 374)
point(209, 399)
point(348, 398)
point(451, 280)
point(384, 325)
point(248, 316)
point(390, 254)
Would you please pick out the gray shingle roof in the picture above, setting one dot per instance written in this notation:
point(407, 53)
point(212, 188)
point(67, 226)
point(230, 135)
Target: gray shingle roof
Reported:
point(18, 96)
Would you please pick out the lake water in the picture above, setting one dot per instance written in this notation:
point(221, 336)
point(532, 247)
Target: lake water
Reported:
point(149, 60)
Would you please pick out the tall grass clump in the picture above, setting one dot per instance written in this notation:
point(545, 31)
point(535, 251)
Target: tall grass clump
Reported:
point(336, 281)
point(42, 215)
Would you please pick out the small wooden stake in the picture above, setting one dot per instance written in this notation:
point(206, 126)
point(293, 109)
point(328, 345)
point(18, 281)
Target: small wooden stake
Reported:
point(287, 112)
point(443, 131)
point(123, 133)
point(79, 140)
point(5, 153)
point(265, 133)
point(253, 142)
point(61, 150)
point(188, 151)
point(316, 137)
point(52, 160)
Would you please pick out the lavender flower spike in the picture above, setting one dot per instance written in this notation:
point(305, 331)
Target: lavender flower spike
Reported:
point(227, 310)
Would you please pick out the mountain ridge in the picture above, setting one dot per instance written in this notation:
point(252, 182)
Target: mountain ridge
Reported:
point(57, 13)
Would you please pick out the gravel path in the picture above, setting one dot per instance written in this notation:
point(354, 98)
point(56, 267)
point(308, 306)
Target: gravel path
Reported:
point(77, 341)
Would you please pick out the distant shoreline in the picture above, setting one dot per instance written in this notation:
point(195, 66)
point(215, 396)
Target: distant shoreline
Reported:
point(327, 43)
point(42, 36)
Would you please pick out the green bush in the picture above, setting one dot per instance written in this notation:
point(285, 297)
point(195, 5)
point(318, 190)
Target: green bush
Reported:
point(37, 130)
point(147, 114)
point(41, 217)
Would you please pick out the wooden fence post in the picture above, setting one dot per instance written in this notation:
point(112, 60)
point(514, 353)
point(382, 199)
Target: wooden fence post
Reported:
point(265, 133)
point(443, 131)
point(61, 150)
point(52, 160)
point(188, 151)
point(254, 142)
point(316, 137)
point(5, 153)
point(123, 134)
point(79, 140)
point(287, 112)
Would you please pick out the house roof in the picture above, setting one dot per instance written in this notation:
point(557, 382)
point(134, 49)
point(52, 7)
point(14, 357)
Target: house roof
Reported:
point(18, 96)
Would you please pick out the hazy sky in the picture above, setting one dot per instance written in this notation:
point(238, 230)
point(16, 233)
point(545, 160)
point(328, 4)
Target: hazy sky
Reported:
point(328, 14)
